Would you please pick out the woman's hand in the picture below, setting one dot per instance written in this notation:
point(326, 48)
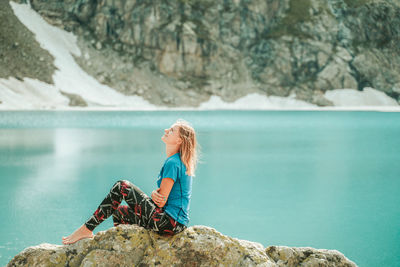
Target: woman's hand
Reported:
point(158, 198)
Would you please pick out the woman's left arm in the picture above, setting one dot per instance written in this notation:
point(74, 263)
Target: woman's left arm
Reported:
point(160, 196)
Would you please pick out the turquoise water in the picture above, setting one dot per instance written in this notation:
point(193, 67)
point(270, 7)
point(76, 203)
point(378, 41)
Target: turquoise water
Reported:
point(321, 179)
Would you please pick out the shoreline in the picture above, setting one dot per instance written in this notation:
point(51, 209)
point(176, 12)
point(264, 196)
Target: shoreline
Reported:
point(373, 109)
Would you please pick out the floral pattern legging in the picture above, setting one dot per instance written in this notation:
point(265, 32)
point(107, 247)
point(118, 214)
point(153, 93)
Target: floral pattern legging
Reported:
point(141, 210)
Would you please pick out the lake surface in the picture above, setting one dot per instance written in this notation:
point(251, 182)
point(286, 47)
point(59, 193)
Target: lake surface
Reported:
point(295, 178)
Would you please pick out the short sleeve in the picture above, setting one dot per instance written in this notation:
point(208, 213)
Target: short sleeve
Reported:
point(170, 170)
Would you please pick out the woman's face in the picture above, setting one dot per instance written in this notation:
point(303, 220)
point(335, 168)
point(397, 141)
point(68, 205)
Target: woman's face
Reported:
point(171, 135)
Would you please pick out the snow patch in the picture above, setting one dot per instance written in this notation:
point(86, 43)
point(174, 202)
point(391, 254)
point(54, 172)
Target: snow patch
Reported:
point(69, 77)
point(367, 97)
point(30, 94)
point(256, 101)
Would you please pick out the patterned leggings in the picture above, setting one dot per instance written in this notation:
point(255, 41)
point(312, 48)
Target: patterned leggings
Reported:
point(141, 210)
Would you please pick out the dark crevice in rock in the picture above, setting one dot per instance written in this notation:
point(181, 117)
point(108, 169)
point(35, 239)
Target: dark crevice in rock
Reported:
point(362, 81)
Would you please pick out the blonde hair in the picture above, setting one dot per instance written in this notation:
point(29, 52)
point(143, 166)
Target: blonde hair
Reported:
point(189, 146)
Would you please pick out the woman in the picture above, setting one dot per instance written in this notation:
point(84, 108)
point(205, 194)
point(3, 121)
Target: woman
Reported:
point(166, 212)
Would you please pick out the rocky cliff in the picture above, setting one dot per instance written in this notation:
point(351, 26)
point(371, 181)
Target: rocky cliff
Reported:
point(131, 245)
point(183, 51)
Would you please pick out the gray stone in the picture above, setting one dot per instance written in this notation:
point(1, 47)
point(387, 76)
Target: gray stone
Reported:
point(132, 245)
point(75, 100)
point(307, 257)
point(98, 45)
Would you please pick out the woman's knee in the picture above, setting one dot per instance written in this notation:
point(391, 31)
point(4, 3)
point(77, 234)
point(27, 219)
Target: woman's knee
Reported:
point(119, 182)
point(123, 186)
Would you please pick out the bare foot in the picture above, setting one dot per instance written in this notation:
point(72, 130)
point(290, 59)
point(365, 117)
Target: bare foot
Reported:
point(80, 233)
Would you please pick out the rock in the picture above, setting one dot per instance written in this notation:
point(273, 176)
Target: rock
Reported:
point(140, 91)
point(167, 99)
point(396, 88)
point(306, 256)
point(98, 45)
point(273, 46)
point(192, 93)
point(375, 69)
point(132, 245)
point(117, 47)
point(336, 75)
point(101, 78)
point(75, 100)
point(320, 100)
point(20, 53)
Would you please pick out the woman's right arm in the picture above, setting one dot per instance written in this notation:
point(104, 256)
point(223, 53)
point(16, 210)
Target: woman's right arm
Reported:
point(160, 196)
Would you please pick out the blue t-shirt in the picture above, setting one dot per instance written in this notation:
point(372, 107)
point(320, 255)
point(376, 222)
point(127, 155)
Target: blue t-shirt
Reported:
point(178, 202)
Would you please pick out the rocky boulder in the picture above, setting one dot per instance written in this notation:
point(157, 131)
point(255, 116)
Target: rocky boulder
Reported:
point(131, 245)
point(306, 256)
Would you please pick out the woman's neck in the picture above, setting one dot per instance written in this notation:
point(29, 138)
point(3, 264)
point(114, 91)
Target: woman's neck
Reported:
point(171, 150)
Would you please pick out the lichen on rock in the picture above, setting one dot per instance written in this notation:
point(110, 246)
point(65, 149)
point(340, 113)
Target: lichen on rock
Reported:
point(132, 245)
